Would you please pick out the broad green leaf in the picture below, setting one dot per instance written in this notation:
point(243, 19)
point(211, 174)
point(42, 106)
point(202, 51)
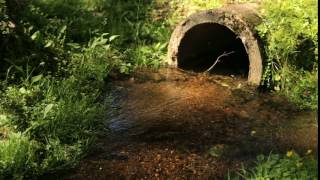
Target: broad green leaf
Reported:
point(63, 29)
point(47, 110)
point(107, 47)
point(36, 78)
point(49, 44)
point(277, 77)
point(35, 35)
point(74, 45)
point(113, 37)
point(23, 90)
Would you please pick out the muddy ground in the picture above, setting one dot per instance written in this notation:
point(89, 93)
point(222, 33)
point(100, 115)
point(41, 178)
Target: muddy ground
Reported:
point(176, 125)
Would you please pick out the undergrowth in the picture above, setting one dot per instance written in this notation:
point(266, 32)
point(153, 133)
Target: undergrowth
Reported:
point(56, 56)
point(277, 166)
point(51, 121)
point(51, 81)
point(290, 34)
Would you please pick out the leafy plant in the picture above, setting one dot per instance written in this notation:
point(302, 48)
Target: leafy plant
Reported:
point(17, 154)
point(276, 166)
point(289, 31)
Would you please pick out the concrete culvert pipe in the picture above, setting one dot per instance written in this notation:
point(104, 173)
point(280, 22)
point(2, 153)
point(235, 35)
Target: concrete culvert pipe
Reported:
point(221, 41)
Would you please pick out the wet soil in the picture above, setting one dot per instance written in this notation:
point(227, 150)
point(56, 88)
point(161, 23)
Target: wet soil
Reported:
point(171, 124)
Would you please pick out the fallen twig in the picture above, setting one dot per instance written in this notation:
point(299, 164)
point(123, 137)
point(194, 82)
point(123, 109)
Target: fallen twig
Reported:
point(218, 59)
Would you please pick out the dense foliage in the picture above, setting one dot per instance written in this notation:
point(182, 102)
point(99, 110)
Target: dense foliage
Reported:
point(290, 34)
point(48, 108)
point(56, 56)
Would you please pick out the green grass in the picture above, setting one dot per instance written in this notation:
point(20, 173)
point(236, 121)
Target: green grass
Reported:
point(17, 155)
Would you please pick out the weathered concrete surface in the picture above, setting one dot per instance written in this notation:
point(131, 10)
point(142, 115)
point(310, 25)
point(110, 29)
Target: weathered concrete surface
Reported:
point(241, 19)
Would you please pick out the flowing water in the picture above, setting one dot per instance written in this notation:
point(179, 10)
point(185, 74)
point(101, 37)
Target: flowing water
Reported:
point(170, 124)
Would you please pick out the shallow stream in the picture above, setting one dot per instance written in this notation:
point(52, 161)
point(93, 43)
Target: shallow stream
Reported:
point(170, 124)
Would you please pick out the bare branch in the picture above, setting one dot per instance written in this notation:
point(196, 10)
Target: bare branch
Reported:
point(218, 59)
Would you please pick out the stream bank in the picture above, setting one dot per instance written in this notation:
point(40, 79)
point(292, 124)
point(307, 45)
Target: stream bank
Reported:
point(170, 124)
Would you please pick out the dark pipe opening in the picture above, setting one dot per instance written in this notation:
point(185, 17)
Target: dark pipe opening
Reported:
point(204, 43)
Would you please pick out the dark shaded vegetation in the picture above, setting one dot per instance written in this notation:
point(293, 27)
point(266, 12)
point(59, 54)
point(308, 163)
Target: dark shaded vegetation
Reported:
point(56, 57)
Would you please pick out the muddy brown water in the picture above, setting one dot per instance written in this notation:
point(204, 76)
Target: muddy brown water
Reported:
point(170, 124)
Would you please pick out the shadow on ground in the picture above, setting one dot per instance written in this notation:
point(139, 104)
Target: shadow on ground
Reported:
point(176, 125)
